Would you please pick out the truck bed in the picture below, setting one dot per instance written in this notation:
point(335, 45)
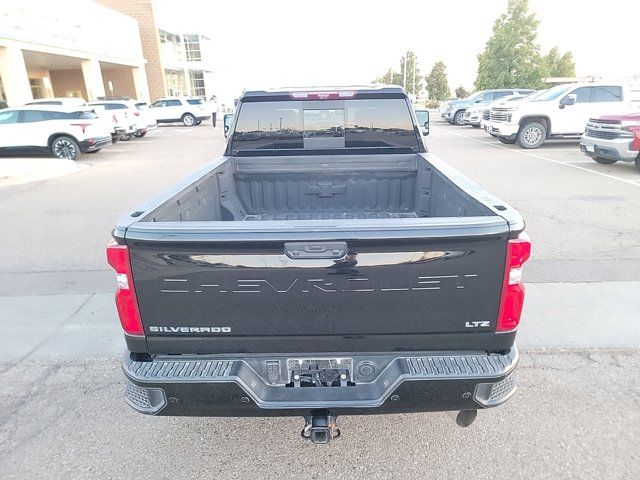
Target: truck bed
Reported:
point(309, 188)
point(350, 253)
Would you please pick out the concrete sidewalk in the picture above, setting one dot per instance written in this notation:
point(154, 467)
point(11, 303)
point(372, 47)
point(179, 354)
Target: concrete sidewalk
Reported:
point(85, 326)
point(17, 170)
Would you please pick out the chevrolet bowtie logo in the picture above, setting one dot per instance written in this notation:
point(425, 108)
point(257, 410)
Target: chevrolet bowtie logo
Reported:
point(326, 189)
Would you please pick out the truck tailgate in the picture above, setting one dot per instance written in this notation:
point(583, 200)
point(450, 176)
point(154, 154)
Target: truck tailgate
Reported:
point(339, 292)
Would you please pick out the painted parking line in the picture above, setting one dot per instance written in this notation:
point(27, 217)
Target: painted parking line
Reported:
point(559, 162)
point(590, 162)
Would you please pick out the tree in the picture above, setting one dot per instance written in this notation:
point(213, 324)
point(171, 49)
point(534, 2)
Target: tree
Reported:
point(393, 77)
point(461, 92)
point(555, 65)
point(437, 83)
point(511, 57)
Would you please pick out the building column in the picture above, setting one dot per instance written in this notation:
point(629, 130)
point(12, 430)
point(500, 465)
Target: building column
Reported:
point(141, 84)
point(94, 85)
point(15, 78)
point(46, 81)
point(187, 81)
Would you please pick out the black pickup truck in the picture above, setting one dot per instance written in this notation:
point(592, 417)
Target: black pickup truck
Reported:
point(325, 265)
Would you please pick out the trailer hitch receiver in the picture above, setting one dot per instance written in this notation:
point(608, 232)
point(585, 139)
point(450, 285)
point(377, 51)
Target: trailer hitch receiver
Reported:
point(320, 427)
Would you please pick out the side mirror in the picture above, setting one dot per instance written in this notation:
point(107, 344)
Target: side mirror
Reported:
point(227, 120)
point(568, 100)
point(426, 128)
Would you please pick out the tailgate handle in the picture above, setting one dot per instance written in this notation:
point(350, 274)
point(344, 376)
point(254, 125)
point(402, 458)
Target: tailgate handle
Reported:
point(315, 249)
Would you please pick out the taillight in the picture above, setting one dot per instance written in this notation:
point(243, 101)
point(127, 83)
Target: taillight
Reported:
point(518, 252)
point(126, 300)
point(83, 125)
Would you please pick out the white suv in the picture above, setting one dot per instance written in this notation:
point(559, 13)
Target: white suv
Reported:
point(64, 131)
point(188, 110)
point(560, 112)
point(66, 101)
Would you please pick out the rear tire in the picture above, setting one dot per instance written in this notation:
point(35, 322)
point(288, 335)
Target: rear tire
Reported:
point(638, 163)
point(532, 135)
point(188, 120)
point(457, 118)
point(606, 161)
point(65, 148)
point(126, 137)
point(139, 134)
point(508, 141)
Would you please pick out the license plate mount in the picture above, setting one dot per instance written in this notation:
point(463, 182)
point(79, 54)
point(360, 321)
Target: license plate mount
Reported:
point(320, 372)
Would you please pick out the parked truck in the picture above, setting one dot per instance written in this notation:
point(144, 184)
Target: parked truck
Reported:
point(560, 112)
point(327, 264)
point(611, 138)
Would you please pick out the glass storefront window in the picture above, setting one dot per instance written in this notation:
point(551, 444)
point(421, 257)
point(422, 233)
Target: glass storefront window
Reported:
point(175, 83)
point(197, 83)
point(192, 48)
point(37, 88)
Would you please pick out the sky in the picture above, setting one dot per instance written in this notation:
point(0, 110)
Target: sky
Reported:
point(272, 43)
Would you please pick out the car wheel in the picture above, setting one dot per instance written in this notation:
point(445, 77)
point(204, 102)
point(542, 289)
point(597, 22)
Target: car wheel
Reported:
point(638, 163)
point(604, 161)
point(188, 120)
point(532, 135)
point(139, 134)
point(114, 138)
point(507, 140)
point(457, 119)
point(126, 137)
point(65, 148)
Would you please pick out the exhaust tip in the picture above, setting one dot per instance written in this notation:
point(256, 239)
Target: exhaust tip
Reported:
point(463, 418)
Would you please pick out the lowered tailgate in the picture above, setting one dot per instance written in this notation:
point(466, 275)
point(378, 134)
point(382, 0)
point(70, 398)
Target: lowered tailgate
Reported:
point(418, 289)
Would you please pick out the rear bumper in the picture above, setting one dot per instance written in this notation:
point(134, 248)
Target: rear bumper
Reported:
point(263, 386)
point(616, 149)
point(96, 143)
point(143, 128)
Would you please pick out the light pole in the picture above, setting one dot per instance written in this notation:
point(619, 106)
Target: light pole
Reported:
point(413, 87)
point(404, 74)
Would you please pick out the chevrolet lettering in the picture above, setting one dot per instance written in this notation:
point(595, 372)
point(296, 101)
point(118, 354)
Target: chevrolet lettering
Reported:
point(328, 285)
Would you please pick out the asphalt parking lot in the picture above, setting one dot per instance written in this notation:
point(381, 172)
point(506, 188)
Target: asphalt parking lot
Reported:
point(576, 414)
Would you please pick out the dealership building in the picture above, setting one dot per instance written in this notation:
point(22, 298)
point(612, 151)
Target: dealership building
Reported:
point(96, 49)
